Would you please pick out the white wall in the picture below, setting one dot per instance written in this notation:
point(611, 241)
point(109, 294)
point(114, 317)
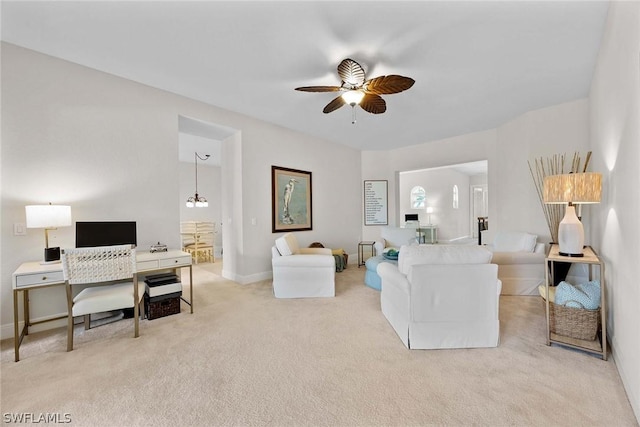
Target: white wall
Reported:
point(438, 184)
point(615, 138)
point(74, 135)
point(513, 203)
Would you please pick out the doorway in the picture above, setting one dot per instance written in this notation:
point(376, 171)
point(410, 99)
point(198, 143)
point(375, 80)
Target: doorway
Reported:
point(197, 136)
point(479, 206)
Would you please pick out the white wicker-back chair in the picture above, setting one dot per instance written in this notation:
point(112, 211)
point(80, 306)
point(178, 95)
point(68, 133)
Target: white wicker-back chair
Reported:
point(113, 270)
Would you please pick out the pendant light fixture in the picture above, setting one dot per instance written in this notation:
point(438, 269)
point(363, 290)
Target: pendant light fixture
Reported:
point(197, 200)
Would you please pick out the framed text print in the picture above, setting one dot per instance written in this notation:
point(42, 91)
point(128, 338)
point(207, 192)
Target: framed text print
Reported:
point(376, 210)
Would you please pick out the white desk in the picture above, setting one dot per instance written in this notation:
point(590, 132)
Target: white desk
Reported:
point(33, 275)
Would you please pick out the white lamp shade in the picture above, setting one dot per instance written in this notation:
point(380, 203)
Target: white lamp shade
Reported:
point(48, 216)
point(429, 210)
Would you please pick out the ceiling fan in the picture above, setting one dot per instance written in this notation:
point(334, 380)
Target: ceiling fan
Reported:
point(356, 90)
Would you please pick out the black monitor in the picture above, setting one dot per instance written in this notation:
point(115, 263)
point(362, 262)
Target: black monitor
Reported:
point(411, 217)
point(105, 233)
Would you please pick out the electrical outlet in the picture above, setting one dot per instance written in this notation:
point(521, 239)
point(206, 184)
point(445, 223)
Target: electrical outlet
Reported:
point(19, 229)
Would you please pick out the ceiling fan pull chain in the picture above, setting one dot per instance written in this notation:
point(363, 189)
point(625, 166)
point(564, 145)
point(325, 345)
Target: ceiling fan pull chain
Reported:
point(353, 114)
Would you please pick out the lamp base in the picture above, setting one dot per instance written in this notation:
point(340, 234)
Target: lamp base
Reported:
point(570, 234)
point(52, 254)
point(570, 255)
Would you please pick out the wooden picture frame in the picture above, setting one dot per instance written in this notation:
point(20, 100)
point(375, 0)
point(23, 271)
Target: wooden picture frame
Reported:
point(376, 203)
point(291, 201)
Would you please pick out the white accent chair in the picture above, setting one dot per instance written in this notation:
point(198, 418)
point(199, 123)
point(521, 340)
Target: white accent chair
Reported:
point(442, 296)
point(302, 272)
point(112, 272)
point(520, 258)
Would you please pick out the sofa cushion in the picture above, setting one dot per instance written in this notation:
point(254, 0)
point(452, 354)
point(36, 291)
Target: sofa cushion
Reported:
point(442, 254)
point(514, 241)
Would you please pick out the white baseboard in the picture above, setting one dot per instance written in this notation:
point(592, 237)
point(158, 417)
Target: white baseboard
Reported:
point(243, 280)
point(7, 331)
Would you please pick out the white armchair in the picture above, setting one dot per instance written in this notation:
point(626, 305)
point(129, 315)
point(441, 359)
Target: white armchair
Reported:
point(441, 296)
point(302, 272)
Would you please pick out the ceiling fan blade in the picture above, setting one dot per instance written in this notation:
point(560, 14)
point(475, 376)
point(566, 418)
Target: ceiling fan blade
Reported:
point(334, 105)
point(351, 72)
point(373, 104)
point(386, 85)
point(319, 88)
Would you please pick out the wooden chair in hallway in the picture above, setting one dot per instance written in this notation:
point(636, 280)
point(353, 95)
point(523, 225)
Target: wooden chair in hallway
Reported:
point(197, 239)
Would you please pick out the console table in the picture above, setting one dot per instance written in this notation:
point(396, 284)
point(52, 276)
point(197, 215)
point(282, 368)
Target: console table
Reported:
point(427, 234)
point(33, 275)
point(592, 260)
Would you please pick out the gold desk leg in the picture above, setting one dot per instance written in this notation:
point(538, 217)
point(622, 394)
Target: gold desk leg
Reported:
point(16, 336)
point(191, 287)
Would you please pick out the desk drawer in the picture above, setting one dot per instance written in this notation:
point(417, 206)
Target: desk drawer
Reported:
point(177, 261)
point(146, 265)
point(26, 280)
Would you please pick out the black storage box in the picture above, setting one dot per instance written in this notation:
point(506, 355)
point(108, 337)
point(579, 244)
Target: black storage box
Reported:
point(162, 306)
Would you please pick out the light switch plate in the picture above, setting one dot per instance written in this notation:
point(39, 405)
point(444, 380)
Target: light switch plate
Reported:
point(19, 229)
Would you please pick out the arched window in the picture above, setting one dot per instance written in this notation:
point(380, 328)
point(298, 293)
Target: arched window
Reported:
point(455, 197)
point(418, 196)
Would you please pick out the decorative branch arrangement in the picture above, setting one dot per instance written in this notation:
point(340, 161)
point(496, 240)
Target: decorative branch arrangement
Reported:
point(554, 165)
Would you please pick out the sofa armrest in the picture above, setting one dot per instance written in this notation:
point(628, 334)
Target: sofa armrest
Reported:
point(379, 246)
point(510, 258)
point(392, 279)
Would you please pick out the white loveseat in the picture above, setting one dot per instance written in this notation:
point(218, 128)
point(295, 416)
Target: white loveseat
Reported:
point(520, 259)
point(302, 272)
point(442, 296)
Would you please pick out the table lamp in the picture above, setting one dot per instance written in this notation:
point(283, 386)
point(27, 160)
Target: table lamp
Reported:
point(429, 212)
point(48, 217)
point(571, 189)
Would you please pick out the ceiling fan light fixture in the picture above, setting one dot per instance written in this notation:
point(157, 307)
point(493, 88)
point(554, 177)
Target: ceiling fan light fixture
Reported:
point(353, 97)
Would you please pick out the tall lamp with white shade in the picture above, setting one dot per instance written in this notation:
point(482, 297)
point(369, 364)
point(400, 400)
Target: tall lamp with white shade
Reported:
point(429, 212)
point(48, 217)
point(572, 189)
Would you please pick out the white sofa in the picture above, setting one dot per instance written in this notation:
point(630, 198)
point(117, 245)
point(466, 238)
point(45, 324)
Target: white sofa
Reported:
point(302, 272)
point(520, 258)
point(442, 296)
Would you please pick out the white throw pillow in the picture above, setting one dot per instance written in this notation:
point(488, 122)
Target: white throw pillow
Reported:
point(514, 241)
point(285, 246)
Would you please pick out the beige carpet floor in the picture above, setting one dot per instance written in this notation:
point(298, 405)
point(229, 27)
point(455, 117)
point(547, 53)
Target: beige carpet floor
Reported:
point(245, 358)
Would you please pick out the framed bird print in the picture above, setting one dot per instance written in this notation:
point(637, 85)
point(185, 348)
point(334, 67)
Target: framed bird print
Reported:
point(290, 200)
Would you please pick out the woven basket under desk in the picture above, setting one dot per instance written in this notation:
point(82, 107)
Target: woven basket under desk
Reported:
point(573, 322)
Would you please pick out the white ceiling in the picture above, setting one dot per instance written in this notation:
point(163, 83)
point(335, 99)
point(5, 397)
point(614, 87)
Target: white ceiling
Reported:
point(476, 64)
